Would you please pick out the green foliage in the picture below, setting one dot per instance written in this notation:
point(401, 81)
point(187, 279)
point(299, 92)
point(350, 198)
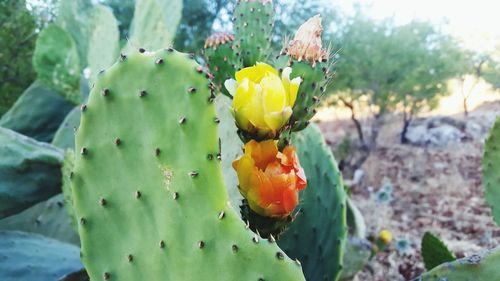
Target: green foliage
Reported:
point(434, 251)
point(17, 43)
point(482, 266)
point(103, 45)
point(48, 218)
point(161, 212)
point(32, 257)
point(37, 113)
point(253, 26)
point(38, 163)
point(56, 62)
point(155, 24)
point(317, 235)
point(65, 135)
point(491, 177)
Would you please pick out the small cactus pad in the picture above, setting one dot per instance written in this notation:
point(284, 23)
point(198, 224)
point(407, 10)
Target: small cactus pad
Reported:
point(434, 251)
point(315, 79)
point(32, 257)
point(220, 58)
point(317, 236)
point(37, 113)
point(358, 253)
point(482, 266)
point(29, 172)
point(491, 176)
point(147, 185)
point(253, 26)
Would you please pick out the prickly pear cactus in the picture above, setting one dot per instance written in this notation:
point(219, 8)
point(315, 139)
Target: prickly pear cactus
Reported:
point(317, 236)
point(482, 266)
point(434, 251)
point(147, 185)
point(66, 170)
point(48, 218)
point(32, 257)
point(358, 253)
point(56, 62)
point(316, 77)
point(37, 113)
point(253, 22)
point(491, 177)
point(221, 59)
point(155, 23)
point(65, 135)
point(38, 163)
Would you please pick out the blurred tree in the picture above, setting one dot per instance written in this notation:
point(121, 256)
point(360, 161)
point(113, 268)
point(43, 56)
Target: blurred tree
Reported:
point(472, 64)
point(18, 35)
point(491, 71)
point(391, 67)
point(44, 11)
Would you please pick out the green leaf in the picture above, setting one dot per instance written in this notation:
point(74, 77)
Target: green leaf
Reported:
point(56, 62)
point(434, 251)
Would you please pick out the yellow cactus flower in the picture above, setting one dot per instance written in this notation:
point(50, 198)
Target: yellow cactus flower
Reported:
point(262, 101)
point(385, 236)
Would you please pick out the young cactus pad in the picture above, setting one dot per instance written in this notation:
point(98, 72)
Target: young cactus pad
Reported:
point(253, 26)
point(318, 234)
point(147, 185)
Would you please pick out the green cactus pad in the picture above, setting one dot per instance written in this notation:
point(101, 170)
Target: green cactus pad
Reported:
point(491, 177)
point(48, 218)
point(29, 172)
point(155, 24)
point(32, 257)
point(65, 135)
point(355, 221)
point(147, 186)
point(37, 113)
point(358, 252)
point(67, 169)
point(482, 266)
point(315, 79)
point(318, 234)
point(221, 59)
point(434, 251)
point(73, 16)
point(253, 25)
point(103, 45)
point(56, 62)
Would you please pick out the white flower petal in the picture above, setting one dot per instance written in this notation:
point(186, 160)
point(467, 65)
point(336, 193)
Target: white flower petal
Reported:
point(231, 86)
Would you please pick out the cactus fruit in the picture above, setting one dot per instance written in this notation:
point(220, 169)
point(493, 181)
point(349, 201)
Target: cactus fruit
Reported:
point(145, 210)
point(221, 59)
point(38, 163)
point(48, 218)
point(56, 62)
point(155, 24)
point(37, 113)
point(318, 234)
point(103, 45)
point(65, 135)
point(482, 266)
point(491, 177)
point(253, 24)
point(307, 58)
point(32, 257)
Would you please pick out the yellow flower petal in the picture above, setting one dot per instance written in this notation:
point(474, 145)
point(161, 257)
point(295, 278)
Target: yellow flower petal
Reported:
point(255, 73)
point(294, 89)
point(273, 93)
point(276, 120)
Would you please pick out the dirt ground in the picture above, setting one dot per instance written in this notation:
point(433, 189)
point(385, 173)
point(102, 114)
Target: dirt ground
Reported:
point(436, 189)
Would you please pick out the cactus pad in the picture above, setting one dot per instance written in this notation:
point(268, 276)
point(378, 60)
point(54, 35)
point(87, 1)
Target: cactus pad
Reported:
point(147, 185)
point(65, 135)
point(491, 177)
point(318, 234)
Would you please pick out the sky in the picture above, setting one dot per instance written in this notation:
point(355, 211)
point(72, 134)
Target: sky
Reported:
point(476, 23)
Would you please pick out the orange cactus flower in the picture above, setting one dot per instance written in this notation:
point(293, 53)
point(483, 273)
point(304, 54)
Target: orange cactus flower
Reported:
point(270, 180)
